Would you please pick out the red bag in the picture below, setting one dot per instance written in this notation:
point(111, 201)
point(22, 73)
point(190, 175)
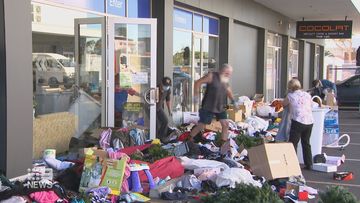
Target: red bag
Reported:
point(162, 168)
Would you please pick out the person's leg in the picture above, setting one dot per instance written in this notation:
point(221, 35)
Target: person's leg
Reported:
point(205, 118)
point(305, 143)
point(295, 133)
point(224, 129)
point(224, 125)
point(163, 123)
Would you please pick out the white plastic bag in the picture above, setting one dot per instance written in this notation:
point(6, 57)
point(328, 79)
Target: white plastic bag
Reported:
point(256, 123)
point(265, 111)
point(242, 100)
point(231, 176)
point(191, 164)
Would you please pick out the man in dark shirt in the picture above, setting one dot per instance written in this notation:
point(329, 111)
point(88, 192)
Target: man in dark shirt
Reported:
point(214, 101)
point(162, 121)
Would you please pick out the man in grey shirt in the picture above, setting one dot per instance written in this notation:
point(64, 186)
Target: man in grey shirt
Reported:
point(162, 121)
point(215, 99)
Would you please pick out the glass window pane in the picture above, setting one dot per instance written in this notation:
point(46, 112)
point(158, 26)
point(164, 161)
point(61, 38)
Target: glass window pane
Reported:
point(116, 7)
point(139, 8)
point(182, 71)
point(198, 23)
point(132, 59)
point(211, 26)
point(94, 5)
point(182, 19)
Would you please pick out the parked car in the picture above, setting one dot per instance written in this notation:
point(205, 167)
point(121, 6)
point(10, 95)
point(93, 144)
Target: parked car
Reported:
point(52, 69)
point(348, 91)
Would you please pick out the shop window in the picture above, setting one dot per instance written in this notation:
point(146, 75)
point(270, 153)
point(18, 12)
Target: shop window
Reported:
point(116, 7)
point(182, 19)
point(198, 23)
point(94, 5)
point(211, 26)
point(182, 70)
point(139, 8)
point(55, 93)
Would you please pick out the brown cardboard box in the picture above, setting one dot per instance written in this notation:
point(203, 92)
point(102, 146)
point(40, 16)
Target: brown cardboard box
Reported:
point(235, 115)
point(214, 126)
point(274, 160)
point(246, 109)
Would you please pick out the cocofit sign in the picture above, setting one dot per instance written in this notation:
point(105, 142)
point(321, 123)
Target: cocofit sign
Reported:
point(323, 29)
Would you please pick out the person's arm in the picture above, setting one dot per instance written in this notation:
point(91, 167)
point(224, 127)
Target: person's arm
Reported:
point(204, 80)
point(168, 102)
point(286, 102)
point(230, 95)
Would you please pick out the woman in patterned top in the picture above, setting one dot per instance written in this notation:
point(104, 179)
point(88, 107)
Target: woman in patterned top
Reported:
point(300, 104)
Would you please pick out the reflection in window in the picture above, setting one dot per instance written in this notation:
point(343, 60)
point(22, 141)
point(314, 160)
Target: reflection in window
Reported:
point(182, 19)
point(198, 23)
point(139, 8)
point(211, 26)
point(182, 70)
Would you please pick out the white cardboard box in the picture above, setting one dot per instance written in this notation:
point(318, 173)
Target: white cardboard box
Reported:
point(324, 167)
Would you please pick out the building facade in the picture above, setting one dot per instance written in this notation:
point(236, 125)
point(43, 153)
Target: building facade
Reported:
point(80, 65)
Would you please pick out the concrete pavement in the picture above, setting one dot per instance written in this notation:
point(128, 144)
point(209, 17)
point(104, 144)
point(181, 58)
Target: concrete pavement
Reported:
point(350, 124)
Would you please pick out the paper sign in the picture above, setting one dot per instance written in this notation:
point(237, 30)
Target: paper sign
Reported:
point(133, 106)
point(140, 78)
point(125, 79)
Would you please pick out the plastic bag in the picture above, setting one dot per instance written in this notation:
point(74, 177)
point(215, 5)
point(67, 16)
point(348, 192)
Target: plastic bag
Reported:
point(284, 128)
point(256, 123)
point(242, 100)
point(265, 111)
point(231, 176)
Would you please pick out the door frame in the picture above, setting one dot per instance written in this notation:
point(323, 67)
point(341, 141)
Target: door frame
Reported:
point(97, 21)
point(111, 21)
point(107, 31)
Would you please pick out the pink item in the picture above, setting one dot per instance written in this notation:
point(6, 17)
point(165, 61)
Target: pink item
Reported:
point(120, 155)
point(105, 138)
point(131, 150)
point(169, 166)
point(44, 196)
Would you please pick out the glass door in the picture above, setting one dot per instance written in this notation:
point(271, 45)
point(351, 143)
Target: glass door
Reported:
point(88, 103)
point(131, 68)
point(197, 66)
point(273, 73)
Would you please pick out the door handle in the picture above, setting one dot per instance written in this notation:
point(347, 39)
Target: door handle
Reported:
point(151, 96)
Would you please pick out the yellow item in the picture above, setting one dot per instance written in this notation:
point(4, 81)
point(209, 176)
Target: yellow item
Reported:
point(278, 120)
point(156, 141)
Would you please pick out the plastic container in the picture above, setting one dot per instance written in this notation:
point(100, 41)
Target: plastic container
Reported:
point(317, 132)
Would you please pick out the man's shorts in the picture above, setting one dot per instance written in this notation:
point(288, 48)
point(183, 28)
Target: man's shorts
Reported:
point(206, 116)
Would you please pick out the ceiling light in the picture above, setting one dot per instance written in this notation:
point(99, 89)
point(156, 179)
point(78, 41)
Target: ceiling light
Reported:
point(356, 4)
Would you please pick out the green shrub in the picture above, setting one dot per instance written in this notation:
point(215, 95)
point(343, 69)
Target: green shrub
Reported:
point(248, 141)
point(337, 194)
point(244, 193)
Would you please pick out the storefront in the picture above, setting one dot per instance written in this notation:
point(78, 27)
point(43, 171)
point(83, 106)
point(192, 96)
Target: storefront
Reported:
point(93, 64)
point(195, 53)
point(97, 63)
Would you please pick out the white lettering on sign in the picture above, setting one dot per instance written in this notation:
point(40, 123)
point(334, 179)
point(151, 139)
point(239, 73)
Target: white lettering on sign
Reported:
point(116, 3)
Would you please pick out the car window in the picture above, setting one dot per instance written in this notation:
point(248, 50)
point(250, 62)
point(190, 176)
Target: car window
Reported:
point(52, 63)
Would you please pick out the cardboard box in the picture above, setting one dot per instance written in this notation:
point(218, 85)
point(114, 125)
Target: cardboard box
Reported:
point(335, 160)
point(235, 115)
point(246, 108)
point(274, 160)
point(328, 168)
point(214, 126)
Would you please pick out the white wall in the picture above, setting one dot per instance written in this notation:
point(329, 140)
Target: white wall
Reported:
point(19, 88)
point(243, 58)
